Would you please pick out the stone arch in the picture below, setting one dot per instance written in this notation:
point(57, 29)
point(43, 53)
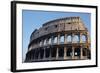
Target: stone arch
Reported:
point(55, 40)
point(69, 38)
point(44, 43)
point(83, 38)
point(40, 43)
point(75, 39)
point(49, 41)
point(62, 39)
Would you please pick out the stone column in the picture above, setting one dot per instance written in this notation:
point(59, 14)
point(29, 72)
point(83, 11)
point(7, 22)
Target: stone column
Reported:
point(42, 42)
point(81, 52)
point(80, 38)
point(47, 41)
point(58, 39)
point(72, 38)
point(87, 38)
point(65, 39)
point(65, 51)
point(72, 52)
point(57, 53)
point(52, 39)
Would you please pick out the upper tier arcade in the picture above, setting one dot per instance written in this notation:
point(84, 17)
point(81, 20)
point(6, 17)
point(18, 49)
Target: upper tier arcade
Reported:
point(59, 25)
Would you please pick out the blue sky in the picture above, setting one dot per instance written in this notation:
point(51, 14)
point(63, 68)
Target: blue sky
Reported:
point(33, 19)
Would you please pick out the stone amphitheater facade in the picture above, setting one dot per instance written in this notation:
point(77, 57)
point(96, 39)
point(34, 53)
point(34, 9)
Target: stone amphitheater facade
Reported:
point(55, 41)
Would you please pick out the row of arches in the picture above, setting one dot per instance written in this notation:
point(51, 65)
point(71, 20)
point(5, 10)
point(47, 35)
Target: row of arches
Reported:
point(63, 38)
point(51, 52)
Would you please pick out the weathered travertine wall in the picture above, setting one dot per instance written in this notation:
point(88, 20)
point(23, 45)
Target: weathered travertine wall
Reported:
point(46, 43)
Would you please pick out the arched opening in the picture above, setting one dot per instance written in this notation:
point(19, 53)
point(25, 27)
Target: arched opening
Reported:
point(49, 42)
point(33, 54)
point(55, 40)
point(61, 52)
point(75, 39)
point(36, 53)
point(44, 42)
point(69, 39)
point(77, 52)
point(69, 51)
point(62, 39)
point(84, 52)
point(83, 38)
point(47, 52)
point(40, 43)
point(41, 53)
point(53, 52)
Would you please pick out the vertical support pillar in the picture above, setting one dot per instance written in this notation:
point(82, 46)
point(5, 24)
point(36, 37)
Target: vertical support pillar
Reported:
point(87, 38)
point(80, 38)
point(47, 41)
point(57, 53)
point(65, 57)
point(58, 39)
point(72, 52)
point(81, 52)
point(65, 38)
point(52, 39)
point(42, 43)
point(72, 38)
point(65, 42)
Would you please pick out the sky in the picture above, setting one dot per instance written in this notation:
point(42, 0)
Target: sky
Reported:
point(33, 19)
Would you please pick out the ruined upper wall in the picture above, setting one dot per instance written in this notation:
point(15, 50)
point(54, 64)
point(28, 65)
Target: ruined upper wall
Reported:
point(58, 25)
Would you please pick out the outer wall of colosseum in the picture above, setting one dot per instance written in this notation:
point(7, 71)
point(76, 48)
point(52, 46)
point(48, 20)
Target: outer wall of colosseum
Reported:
point(61, 39)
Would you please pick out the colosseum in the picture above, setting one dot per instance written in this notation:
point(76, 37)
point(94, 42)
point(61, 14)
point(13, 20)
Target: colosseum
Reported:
point(61, 39)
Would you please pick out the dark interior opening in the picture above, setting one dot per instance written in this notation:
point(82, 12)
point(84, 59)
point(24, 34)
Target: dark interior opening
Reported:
point(53, 52)
point(61, 52)
point(69, 51)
